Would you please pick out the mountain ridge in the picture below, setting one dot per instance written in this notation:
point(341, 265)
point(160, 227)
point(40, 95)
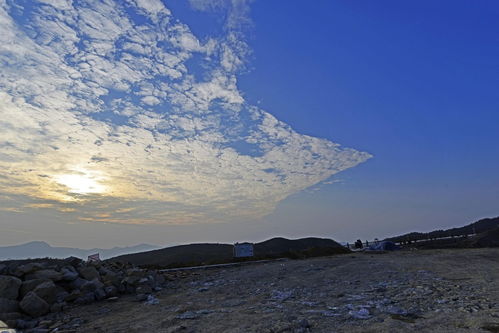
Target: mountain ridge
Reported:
point(40, 249)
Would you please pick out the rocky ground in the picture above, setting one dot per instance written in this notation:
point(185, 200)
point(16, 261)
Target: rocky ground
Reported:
point(404, 291)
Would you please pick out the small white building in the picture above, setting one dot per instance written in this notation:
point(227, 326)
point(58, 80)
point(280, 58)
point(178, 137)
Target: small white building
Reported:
point(243, 250)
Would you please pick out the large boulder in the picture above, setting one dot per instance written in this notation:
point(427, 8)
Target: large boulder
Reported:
point(89, 272)
point(48, 274)
point(75, 294)
point(30, 285)
point(8, 305)
point(111, 291)
point(91, 286)
point(85, 299)
point(69, 273)
point(33, 305)
point(47, 291)
point(9, 287)
point(77, 284)
point(28, 268)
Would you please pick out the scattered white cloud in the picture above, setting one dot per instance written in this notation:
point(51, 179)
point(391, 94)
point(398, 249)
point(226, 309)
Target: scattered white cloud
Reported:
point(103, 117)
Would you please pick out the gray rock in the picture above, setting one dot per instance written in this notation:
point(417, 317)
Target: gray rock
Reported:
point(151, 300)
point(144, 289)
point(111, 291)
point(30, 285)
point(28, 268)
point(47, 291)
point(110, 278)
point(360, 314)
point(85, 299)
point(33, 305)
point(77, 284)
point(48, 274)
point(61, 296)
point(57, 307)
point(89, 272)
point(26, 324)
point(9, 287)
point(92, 286)
point(10, 316)
point(74, 295)
point(100, 294)
point(73, 261)
point(8, 305)
point(69, 273)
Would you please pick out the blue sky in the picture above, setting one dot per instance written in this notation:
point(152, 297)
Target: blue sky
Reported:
point(250, 99)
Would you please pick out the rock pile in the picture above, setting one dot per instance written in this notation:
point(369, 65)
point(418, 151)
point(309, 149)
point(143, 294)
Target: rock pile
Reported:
point(32, 289)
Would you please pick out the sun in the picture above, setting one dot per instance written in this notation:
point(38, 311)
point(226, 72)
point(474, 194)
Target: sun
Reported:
point(81, 183)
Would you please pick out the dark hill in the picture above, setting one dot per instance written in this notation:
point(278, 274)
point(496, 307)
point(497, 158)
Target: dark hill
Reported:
point(487, 239)
point(206, 254)
point(279, 246)
point(477, 227)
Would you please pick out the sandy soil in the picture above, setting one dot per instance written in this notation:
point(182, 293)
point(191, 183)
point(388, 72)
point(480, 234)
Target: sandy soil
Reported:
point(405, 291)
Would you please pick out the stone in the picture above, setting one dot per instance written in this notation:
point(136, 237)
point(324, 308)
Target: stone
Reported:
point(69, 273)
point(112, 299)
point(61, 296)
point(75, 294)
point(100, 294)
point(26, 324)
point(85, 299)
point(48, 274)
point(73, 261)
point(91, 286)
point(28, 268)
point(8, 305)
point(110, 278)
point(33, 305)
point(89, 272)
point(57, 307)
point(111, 291)
point(30, 285)
point(144, 289)
point(360, 314)
point(46, 291)
point(151, 300)
point(9, 287)
point(10, 316)
point(77, 284)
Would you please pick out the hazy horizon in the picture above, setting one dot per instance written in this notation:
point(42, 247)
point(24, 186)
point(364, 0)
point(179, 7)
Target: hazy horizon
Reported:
point(173, 122)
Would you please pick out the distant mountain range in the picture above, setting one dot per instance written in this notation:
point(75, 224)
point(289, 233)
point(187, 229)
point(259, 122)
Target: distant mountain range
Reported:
point(204, 254)
point(40, 249)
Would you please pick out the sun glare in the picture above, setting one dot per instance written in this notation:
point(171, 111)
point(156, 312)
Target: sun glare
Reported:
point(81, 183)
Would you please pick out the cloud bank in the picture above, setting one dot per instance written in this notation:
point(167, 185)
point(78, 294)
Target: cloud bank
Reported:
point(115, 111)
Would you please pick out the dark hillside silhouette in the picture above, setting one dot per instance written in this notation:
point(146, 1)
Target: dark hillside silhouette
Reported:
point(206, 254)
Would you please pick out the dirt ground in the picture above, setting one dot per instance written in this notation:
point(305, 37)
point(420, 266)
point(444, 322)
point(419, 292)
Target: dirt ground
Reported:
point(404, 291)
